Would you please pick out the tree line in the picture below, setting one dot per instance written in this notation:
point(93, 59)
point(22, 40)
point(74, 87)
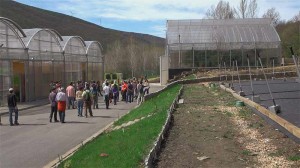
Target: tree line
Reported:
point(132, 58)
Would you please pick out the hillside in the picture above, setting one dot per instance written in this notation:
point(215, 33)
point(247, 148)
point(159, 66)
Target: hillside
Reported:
point(31, 17)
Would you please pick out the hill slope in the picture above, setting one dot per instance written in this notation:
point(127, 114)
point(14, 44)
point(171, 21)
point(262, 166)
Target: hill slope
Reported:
point(31, 17)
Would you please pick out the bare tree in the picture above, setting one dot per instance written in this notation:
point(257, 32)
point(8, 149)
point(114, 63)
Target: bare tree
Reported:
point(296, 18)
point(273, 14)
point(113, 57)
point(221, 11)
point(242, 8)
point(132, 56)
point(247, 9)
point(252, 9)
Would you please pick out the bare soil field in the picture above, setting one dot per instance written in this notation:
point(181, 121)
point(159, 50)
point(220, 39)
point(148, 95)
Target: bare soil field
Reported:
point(210, 131)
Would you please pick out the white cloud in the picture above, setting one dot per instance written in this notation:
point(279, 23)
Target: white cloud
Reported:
point(151, 10)
point(159, 30)
point(138, 9)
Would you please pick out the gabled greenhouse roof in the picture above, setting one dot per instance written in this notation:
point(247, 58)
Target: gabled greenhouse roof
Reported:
point(228, 34)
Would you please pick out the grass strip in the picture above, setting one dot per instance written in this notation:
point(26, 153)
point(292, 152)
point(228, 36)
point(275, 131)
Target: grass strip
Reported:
point(156, 104)
point(126, 147)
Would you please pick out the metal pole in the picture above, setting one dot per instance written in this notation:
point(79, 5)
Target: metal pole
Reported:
point(262, 68)
point(273, 62)
point(249, 69)
point(179, 51)
point(237, 69)
point(193, 57)
point(232, 72)
point(225, 71)
point(295, 61)
point(220, 71)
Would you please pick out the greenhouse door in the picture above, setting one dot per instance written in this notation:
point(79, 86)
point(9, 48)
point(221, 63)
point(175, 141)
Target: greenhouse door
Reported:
point(19, 80)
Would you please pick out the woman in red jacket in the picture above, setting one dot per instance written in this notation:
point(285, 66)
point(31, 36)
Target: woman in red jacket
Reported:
point(61, 99)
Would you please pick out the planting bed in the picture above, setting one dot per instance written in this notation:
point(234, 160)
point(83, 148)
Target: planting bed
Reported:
point(285, 93)
point(209, 131)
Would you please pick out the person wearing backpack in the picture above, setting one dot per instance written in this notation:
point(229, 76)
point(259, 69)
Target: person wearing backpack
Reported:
point(140, 88)
point(87, 97)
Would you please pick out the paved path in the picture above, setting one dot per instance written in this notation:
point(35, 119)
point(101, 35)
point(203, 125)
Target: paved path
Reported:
point(36, 142)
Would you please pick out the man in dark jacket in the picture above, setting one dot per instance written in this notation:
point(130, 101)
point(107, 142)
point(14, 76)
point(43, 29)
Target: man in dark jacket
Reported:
point(53, 103)
point(12, 106)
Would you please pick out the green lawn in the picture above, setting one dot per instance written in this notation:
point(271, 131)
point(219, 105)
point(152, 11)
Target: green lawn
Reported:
point(127, 147)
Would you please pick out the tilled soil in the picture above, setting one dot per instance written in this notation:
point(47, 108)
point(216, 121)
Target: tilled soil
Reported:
point(209, 131)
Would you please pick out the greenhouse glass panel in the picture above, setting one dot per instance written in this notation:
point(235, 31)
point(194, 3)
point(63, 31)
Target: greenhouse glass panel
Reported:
point(210, 42)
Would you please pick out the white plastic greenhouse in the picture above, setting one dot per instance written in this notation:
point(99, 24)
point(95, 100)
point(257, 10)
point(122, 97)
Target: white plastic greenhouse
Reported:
point(209, 43)
point(30, 59)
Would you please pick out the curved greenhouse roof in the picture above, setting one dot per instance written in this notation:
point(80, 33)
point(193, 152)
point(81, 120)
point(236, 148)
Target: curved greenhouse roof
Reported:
point(74, 48)
point(93, 51)
point(14, 26)
point(73, 45)
point(42, 39)
point(212, 34)
point(10, 34)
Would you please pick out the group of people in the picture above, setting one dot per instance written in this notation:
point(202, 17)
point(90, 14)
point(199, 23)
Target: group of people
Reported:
point(134, 89)
point(77, 95)
point(84, 94)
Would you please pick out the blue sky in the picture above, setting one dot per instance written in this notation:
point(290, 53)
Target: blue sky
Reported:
point(149, 16)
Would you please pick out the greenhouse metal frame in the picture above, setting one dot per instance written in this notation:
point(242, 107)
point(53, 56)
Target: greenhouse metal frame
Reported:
point(211, 43)
point(30, 59)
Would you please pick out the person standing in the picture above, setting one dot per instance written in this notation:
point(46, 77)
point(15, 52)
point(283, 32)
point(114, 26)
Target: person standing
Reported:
point(61, 100)
point(87, 97)
point(71, 95)
point(140, 88)
point(79, 100)
point(115, 91)
point(147, 86)
point(129, 97)
point(53, 103)
point(124, 91)
point(134, 85)
point(95, 92)
point(12, 106)
point(106, 90)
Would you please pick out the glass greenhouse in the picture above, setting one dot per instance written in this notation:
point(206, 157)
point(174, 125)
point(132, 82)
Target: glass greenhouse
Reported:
point(208, 43)
point(30, 59)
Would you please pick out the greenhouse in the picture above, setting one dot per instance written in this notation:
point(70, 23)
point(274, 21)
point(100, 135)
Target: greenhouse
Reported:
point(211, 43)
point(31, 59)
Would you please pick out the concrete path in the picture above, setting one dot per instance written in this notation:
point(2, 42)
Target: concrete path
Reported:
point(36, 142)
